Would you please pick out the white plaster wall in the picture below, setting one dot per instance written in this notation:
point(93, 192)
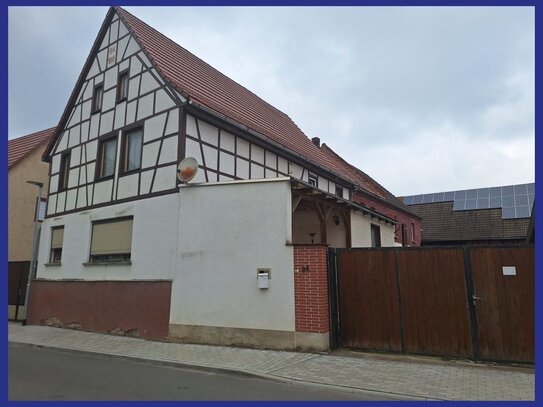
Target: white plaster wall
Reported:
point(387, 235)
point(336, 235)
point(305, 222)
point(227, 231)
point(361, 231)
point(154, 239)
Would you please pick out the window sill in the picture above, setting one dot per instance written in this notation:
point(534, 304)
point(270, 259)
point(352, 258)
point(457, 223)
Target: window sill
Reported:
point(108, 263)
point(52, 264)
point(129, 172)
point(104, 178)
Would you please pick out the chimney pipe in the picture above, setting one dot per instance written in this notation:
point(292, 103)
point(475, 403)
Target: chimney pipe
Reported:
point(316, 141)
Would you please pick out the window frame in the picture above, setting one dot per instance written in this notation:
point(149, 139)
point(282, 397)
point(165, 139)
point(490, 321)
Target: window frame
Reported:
point(339, 188)
point(98, 172)
point(92, 258)
point(314, 178)
point(375, 238)
point(97, 107)
point(123, 159)
point(64, 171)
point(412, 231)
point(53, 250)
point(125, 73)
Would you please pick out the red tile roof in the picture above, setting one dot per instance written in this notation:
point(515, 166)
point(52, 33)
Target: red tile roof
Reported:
point(366, 182)
point(199, 81)
point(21, 147)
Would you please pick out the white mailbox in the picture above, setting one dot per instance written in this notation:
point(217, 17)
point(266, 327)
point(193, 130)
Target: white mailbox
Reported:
point(263, 278)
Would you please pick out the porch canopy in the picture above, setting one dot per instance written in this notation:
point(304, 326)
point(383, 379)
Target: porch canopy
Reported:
point(322, 217)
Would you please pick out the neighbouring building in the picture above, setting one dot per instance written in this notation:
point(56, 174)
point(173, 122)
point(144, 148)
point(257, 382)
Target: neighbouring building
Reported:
point(24, 164)
point(236, 256)
point(475, 216)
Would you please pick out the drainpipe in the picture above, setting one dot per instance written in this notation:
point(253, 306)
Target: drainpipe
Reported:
point(35, 245)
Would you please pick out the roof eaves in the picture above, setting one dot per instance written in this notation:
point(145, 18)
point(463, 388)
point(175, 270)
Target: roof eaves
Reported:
point(34, 148)
point(347, 202)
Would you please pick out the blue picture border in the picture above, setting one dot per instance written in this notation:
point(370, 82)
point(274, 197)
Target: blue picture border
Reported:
point(3, 149)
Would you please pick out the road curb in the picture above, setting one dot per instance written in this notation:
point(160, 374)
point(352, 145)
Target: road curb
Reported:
point(226, 370)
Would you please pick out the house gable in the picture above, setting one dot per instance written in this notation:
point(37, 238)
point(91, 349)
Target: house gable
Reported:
point(150, 105)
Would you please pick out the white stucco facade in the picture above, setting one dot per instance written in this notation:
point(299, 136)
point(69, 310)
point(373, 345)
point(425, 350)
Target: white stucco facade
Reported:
point(154, 226)
point(210, 239)
point(361, 231)
point(227, 231)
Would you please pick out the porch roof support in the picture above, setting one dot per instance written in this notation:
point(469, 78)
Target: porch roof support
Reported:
point(302, 189)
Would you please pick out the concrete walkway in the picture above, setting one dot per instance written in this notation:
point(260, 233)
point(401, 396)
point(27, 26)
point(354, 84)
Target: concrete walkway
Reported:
point(404, 378)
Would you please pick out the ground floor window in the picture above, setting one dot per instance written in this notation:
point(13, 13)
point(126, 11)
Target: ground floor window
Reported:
point(375, 235)
point(111, 240)
point(57, 237)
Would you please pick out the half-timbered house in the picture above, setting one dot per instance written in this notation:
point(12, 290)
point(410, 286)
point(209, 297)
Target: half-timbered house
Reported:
point(236, 256)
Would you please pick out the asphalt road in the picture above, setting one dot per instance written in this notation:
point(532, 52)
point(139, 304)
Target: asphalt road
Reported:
point(44, 374)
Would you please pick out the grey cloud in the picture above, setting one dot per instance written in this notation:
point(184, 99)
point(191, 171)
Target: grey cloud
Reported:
point(366, 80)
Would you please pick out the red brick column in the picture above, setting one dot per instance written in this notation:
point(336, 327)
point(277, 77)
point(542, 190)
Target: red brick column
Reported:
point(311, 288)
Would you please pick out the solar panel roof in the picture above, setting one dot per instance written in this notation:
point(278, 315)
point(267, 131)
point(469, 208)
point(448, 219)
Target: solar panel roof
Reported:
point(515, 201)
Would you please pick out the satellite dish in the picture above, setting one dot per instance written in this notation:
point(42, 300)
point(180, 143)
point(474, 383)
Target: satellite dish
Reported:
point(187, 169)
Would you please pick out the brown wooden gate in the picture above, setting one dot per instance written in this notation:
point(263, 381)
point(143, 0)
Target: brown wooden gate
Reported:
point(421, 300)
point(505, 310)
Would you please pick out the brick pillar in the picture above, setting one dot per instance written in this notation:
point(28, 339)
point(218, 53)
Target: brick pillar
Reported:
point(311, 288)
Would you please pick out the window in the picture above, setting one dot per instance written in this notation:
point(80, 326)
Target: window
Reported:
point(97, 98)
point(57, 237)
point(312, 180)
point(412, 231)
point(122, 86)
point(131, 150)
point(107, 153)
point(339, 191)
point(111, 241)
point(375, 236)
point(64, 171)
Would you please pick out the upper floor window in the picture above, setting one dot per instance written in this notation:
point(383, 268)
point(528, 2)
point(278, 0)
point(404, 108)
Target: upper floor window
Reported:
point(111, 240)
point(312, 180)
point(107, 153)
point(339, 191)
point(64, 171)
point(375, 235)
point(97, 97)
point(131, 150)
point(57, 238)
point(122, 86)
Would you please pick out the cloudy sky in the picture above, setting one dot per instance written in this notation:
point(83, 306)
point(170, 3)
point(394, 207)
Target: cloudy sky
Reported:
point(422, 99)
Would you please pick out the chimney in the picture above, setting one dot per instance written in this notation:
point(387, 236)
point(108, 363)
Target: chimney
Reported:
point(316, 141)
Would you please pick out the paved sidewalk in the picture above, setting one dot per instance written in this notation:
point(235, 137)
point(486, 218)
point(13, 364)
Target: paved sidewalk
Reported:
point(401, 379)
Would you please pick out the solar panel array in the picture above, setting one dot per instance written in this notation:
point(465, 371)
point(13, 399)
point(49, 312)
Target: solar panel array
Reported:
point(515, 201)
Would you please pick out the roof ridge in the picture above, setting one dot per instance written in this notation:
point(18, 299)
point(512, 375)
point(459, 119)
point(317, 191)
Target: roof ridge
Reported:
point(198, 59)
point(31, 134)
